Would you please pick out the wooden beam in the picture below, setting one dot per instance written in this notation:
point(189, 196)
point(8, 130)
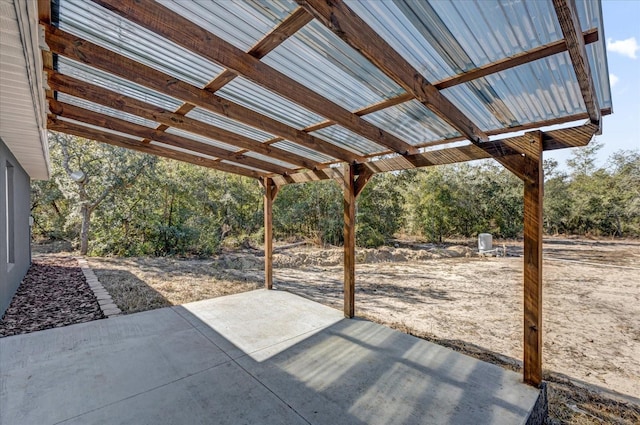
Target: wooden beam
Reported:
point(294, 22)
point(76, 48)
point(308, 176)
point(511, 147)
point(349, 204)
point(571, 29)
point(106, 97)
point(590, 36)
point(93, 118)
point(161, 20)
point(125, 142)
point(346, 24)
point(533, 195)
point(540, 52)
point(270, 192)
point(361, 181)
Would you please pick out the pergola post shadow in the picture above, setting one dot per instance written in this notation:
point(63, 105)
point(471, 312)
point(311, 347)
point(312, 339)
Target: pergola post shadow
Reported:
point(270, 192)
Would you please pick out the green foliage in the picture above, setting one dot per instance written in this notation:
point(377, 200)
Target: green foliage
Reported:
point(142, 205)
point(312, 211)
point(466, 200)
point(380, 208)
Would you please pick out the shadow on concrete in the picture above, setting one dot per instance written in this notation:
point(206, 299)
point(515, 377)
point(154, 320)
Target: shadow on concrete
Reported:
point(266, 357)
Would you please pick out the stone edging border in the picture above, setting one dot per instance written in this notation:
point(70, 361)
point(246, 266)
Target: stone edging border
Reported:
point(108, 307)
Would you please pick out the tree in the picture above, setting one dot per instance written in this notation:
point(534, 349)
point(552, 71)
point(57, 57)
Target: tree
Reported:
point(105, 169)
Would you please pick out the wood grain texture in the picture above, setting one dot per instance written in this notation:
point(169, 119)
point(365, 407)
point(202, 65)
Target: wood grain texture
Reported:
point(571, 29)
point(133, 144)
point(347, 25)
point(91, 54)
point(157, 18)
point(102, 96)
point(93, 118)
point(270, 191)
point(533, 203)
point(349, 204)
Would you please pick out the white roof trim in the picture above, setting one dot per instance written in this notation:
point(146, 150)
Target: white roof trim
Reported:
point(23, 129)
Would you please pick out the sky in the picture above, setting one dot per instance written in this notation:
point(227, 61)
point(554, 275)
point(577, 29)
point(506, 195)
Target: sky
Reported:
point(621, 130)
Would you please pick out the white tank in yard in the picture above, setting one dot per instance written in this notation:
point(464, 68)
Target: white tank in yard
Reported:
point(485, 242)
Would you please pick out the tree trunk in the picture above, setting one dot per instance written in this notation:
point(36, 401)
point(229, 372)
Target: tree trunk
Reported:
point(84, 231)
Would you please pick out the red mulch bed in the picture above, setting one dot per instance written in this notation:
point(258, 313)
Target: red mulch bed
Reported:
point(54, 293)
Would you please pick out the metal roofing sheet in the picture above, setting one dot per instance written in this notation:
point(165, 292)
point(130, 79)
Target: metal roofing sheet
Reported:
point(253, 96)
point(347, 139)
point(590, 14)
point(199, 138)
point(117, 84)
point(319, 60)
point(442, 39)
point(271, 160)
point(91, 106)
point(229, 124)
point(98, 25)
point(95, 127)
point(413, 122)
point(241, 23)
point(183, 150)
point(296, 149)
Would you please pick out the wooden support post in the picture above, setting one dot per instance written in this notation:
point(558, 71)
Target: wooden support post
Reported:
point(270, 192)
point(533, 195)
point(349, 202)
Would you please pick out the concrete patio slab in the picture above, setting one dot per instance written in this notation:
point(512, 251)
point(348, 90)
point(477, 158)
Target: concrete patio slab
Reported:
point(262, 357)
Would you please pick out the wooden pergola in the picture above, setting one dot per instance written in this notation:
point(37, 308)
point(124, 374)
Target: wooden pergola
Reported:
point(207, 84)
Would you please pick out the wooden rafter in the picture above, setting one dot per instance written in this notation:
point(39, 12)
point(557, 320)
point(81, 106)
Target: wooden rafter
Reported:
point(505, 148)
point(81, 50)
point(105, 97)
point(346, 24)
point(570, 24)
point(157, 18)
point(129, 143)
point(298, 19)
point(590, 36)
point(540, 52)
point(93, 118)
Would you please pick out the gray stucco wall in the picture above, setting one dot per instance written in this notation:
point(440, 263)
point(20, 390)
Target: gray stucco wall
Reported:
point(11, 274)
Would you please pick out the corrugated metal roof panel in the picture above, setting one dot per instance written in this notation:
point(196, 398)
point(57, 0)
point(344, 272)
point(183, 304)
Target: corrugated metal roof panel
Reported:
point(413, 122)
point(199, 138)
point(117, 84)
point(178, 149)
point(229, 124)
point(590, 14)
point(91, 106)
point(102, 129)
point(253, 96)
point(319, 60)
point(241, 23)
point(347, 139)
point(296, 149)
point(98, 25)
point(237, 164)
point(271, 160)
point(442, 39)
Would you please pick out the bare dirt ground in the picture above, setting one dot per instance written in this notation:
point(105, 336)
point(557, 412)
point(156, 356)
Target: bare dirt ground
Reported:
point(450, 295)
